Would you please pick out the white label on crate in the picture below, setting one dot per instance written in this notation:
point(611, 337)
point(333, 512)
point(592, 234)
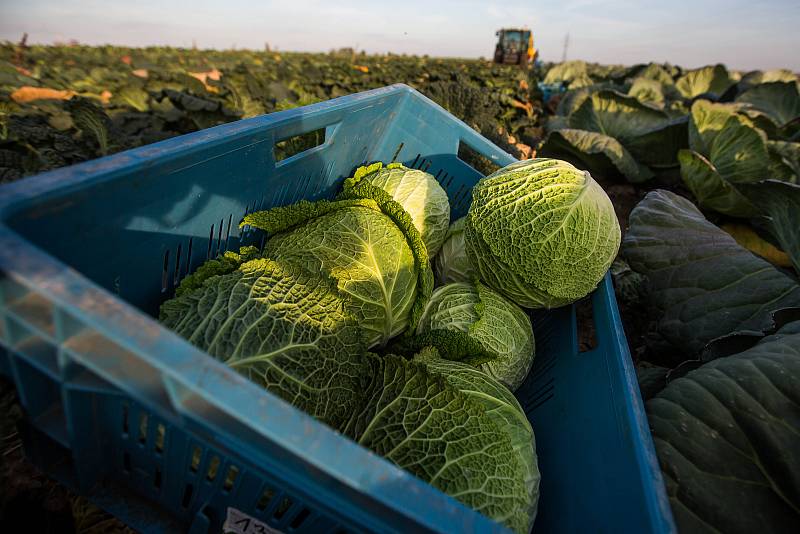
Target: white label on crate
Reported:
point(239, 522)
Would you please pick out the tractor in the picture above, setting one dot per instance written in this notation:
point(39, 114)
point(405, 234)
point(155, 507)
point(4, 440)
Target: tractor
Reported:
point(515, 47)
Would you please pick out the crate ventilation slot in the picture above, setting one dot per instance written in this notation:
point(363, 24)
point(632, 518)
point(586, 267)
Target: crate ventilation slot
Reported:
point(165, 272)
point(397, 152)
point(476, 160)
point(177, 275)
point(210, 242)
point(296, 145)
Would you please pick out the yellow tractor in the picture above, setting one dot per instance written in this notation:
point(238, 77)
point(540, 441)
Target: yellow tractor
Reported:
point(515, 47)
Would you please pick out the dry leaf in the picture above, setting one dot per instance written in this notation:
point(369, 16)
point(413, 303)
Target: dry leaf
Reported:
point(126, 59)
point(526, 152)
point(362, 68)
point(29, 94)
point(527, 106)
point(141, 73)
point(212, 74)
point(23, 71)
point(105, 96)
point(523, 84)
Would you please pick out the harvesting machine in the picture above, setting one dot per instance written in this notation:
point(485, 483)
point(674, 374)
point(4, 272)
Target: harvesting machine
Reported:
point(515, 47)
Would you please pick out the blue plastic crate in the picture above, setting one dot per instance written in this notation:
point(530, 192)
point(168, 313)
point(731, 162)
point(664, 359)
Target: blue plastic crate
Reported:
point(167, 438)
point(549, 90)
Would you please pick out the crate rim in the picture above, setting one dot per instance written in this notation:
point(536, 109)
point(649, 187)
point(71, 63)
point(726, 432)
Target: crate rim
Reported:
point(57, 180)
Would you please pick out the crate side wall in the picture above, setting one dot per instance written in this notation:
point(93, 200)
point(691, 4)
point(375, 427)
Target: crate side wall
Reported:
point(140, 233)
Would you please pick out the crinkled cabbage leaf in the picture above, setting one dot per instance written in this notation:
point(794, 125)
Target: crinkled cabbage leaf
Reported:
point(374, 253)
point(452, 263)
point(420, 195)
point(500, 328)
point(499, 404)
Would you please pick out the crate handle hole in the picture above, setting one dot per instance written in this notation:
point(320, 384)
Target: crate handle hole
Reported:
point(219, 238)
point(296, 145)
point(476, 160)
point(165, 272)
point(263, 501)
point(125, 427)
point(126, 462)
point(189, 256)
point(397, 152)
point(228, 231)
point(282, 508)
point(210, 242)
point(177, 273)
point(157, 479)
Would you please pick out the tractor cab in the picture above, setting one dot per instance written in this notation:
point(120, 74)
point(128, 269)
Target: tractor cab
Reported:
point(514, 47)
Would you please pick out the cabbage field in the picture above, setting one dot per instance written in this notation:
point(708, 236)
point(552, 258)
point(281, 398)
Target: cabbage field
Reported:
point(702, 170)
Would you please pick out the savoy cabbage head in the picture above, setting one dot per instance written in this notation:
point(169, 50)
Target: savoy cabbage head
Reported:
point(290, 330)
point(273, 321)
point(541, 232)
point(371, 248)
point(501, 405)
point(419, 194)
point(452, 263)
point(469, 317)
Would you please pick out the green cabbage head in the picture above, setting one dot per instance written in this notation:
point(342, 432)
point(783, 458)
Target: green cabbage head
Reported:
point(420, 195)
point(501, 405)
point(468, 319)
point(541, 232)
point(370, 248)
point(452, 263)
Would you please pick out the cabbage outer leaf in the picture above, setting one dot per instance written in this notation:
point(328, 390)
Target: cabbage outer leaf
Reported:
point(452, 263)
point(421, 197)
point(499, 404)
point(728, 440)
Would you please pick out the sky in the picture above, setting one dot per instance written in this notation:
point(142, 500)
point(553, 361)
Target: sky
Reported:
point(691, 33)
